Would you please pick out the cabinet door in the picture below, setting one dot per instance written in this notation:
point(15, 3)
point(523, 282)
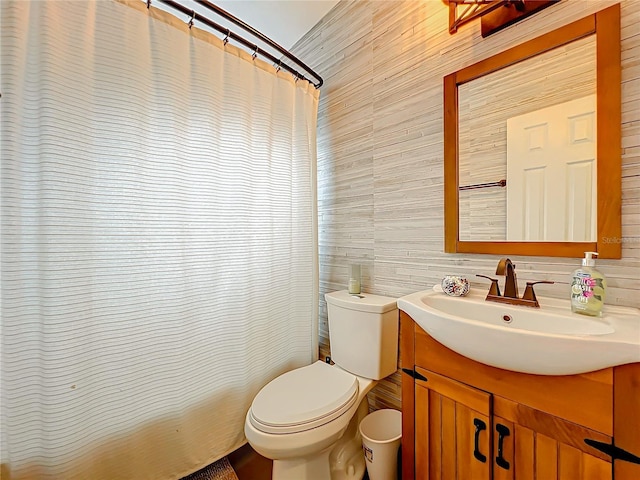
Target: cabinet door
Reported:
point(533, 445)
point(452, 430)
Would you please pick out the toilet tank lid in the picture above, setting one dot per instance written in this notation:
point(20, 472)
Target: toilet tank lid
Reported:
point(364, 302)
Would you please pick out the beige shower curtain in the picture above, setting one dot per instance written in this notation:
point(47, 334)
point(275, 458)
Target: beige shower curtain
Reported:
point(158, 240)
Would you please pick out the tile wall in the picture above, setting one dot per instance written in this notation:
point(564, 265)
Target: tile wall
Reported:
point(380, 150)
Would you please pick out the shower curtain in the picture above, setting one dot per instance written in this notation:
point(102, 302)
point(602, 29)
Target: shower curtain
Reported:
point(158, 240)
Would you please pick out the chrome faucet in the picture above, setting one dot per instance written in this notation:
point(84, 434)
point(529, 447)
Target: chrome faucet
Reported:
point(508, 269)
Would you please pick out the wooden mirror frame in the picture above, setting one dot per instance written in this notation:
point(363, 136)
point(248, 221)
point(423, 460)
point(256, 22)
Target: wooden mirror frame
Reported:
point(605, 24)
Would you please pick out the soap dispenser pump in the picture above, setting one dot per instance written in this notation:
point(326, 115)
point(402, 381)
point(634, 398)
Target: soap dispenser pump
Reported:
point(588, 288)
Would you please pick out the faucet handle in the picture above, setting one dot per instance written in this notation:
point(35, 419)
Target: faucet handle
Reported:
point(494, 289)
point(529, 294)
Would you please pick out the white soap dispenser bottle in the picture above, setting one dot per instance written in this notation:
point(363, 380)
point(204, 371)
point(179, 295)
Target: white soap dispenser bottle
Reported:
point(588, 288)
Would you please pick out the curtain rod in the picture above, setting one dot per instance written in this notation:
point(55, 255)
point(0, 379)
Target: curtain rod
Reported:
point(229, 35)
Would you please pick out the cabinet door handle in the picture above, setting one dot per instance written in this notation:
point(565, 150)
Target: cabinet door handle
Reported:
point(503, 431)
point(480, 426)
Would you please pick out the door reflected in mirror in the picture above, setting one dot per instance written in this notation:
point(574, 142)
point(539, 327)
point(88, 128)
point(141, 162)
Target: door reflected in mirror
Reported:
point(533, 125)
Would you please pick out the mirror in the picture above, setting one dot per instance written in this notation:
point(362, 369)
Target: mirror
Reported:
point(532, 146)
point(526, 140)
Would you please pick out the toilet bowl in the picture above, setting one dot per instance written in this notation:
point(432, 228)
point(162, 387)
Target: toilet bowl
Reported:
point(306, 420)
point(300, 419)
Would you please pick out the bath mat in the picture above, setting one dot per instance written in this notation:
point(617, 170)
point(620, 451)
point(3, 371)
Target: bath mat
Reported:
point(220, 470)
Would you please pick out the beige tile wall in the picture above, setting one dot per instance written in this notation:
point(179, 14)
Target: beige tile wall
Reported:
point(380, 170)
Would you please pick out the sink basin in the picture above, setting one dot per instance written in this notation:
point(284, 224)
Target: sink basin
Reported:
point(550, 340)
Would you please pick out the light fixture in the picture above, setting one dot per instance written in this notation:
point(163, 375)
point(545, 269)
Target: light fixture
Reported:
point(495, 14)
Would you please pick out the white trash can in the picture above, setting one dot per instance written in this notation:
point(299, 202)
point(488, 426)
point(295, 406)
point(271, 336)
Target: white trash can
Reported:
point(381, 433)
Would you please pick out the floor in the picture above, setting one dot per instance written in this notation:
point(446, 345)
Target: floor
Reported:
point(249, 465)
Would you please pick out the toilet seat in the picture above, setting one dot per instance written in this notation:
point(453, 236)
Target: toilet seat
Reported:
point(302, 399)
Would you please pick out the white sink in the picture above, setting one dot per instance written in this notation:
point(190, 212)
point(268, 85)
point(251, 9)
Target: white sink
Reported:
point(550, 340)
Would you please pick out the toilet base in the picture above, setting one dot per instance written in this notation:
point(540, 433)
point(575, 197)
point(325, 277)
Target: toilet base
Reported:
point(343, 460)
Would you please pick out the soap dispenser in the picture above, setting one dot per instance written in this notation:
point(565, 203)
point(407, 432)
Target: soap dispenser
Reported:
point(588, 288)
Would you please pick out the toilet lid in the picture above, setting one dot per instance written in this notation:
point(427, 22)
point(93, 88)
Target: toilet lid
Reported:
point(304, 398)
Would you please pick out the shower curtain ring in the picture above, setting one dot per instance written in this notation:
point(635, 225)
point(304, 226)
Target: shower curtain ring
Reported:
point(193, 16)
point(255, 52)
point(226, 37)
point(148, 3)
point(279, 66)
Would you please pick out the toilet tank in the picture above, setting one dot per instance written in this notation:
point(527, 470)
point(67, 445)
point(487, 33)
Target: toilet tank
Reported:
point(363, 331)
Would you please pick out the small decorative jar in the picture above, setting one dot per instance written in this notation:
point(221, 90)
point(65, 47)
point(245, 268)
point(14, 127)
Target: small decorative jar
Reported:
point(455, 286)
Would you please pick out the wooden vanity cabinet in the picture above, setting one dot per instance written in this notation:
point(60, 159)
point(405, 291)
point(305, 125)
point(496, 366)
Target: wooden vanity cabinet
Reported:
point(463, 420)
point(452, 423)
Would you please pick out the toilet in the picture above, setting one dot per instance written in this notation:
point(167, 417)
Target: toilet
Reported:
point(306, 420)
